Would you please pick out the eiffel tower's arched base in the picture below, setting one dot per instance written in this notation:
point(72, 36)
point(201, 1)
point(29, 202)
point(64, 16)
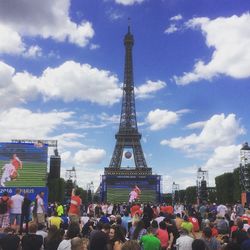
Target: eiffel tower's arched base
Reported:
point(116, 188)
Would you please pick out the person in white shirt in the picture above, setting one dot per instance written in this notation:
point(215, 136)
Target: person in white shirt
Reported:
point(40, 210)
point(221, 210)
point(110, 209)
point(8, 171)
point(105, 208)
point(184, 242)
point(16, 208)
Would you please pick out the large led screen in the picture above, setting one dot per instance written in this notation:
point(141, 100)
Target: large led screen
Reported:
point(122, 188)
point(23, 164)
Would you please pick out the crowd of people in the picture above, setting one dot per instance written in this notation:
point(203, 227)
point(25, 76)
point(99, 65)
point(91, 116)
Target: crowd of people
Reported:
point(29, 225)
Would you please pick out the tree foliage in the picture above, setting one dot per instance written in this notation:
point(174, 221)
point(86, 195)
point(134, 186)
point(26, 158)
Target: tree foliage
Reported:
point(191, 195)
point(225, 188)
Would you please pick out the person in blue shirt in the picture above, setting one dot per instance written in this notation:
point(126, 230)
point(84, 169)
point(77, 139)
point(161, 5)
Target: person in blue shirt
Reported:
point(246, 244)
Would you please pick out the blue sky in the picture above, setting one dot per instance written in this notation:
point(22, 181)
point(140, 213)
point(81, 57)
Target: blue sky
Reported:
point(61, 72)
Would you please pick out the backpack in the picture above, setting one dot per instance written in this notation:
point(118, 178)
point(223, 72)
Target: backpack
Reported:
point(3, 206)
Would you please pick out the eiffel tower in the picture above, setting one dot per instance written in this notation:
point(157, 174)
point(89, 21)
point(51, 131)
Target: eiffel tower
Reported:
point(128, 135)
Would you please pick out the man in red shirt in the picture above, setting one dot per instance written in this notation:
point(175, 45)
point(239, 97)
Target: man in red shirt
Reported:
point(16, 162)
point(75, 206)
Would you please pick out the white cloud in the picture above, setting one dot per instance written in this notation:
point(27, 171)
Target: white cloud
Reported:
point(183, 111)
point(160, 119)
point(10, 42)
point(87, 175)
point(47, 19)
point(65, 156)
point(114, 14)
point(128, 2)
point(219, 130)
point(69, 140)
point(70, 81)
point(171, 29)
point(176, 18)
point(182, 181)
point(109, 118)
point(196, 125)
point(17, 123)
point(149, 88)
point(16, 87)
point(73, 81)
point(224, 159)
point(230, 39)
point(89, 156)
point(33, 51)
point(94, 46)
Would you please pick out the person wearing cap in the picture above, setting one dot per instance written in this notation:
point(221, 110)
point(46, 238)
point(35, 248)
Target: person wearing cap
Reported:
point(186, 224)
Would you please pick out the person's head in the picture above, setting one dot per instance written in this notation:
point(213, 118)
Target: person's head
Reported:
point(116, 233)
point(76, 244)
point(52, 229)
point(167, 220)
point(77, 192)
point(18, 191)
point(55, 213)
point(106, 228)
point(5, 194)
point(162, 225)
point(178, 215)
point(99, 225)
point(126, 213)
point(240, 224)
point(41, 194)
point(112, 218)
point(198, 244)
point(73, 230)
point(150, 230)
point(40, 226)
point(118, 219)
point(207, 232)
point(54, 233)
point(140, 225)
point(32, 227)
point(183, 231)
point(131, 245)
point(154, 224)
point(185, 218)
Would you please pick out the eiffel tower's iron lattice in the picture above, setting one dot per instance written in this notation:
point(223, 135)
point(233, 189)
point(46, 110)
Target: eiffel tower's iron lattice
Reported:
point(128, 135)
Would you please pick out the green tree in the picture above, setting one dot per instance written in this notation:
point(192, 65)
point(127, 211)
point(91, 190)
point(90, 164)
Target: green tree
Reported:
point(191, 195)
point(224, 187)
point(212, 194)
point(167, 198)
point(237, 188)
point(182, 194)
point(83, 195)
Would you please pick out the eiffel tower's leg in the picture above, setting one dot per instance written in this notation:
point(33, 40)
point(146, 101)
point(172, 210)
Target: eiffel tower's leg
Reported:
point(117, 156)
point(140, 161)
